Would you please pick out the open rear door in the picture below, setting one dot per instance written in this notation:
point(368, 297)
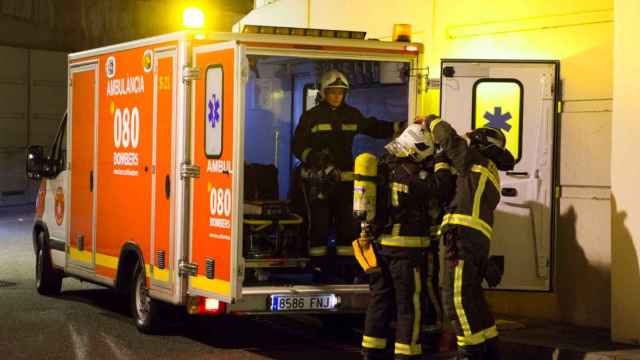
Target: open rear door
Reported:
point(520, 98)
point(215, 233)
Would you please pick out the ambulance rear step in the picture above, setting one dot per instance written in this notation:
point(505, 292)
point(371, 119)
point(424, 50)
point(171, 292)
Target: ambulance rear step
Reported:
point(302, 299)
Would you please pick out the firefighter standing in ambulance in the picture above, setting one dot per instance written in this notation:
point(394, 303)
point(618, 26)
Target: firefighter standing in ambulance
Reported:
point(467, 231)
point(323, 142)
point(402, 223)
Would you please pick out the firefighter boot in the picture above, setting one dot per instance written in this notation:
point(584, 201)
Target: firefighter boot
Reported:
point(492, 349)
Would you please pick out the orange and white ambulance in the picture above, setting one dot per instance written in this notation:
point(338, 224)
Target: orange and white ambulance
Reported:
point(145, 191)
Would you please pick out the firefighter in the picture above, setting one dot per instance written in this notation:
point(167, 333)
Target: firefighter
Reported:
point(402, 228)
point(433, 314)
point(467, 231)
point(323, 142)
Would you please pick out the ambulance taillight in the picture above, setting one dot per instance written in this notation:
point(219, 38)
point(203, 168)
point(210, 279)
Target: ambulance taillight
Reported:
point(200, 305)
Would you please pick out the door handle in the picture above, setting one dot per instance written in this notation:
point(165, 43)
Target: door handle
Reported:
point(517, 173)
point(509, 192)
point(91, 181)
point(167, 186)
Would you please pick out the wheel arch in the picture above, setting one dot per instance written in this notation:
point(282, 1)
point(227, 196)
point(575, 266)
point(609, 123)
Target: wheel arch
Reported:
point(130, 255)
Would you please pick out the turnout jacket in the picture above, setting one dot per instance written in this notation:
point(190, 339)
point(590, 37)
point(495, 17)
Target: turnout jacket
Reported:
point(477, 186)
point(325, 127)
point(405, 195)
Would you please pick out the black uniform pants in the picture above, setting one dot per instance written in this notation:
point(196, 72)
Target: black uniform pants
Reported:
point(395, 293)
point(336, 208)
point(432, 318)
point(462, 293)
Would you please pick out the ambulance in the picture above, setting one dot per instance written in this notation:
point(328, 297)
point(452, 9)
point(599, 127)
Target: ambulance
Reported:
point(170, 173)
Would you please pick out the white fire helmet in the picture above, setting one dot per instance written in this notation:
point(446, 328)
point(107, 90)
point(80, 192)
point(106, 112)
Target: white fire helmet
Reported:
point(333, 79)
point(414, 142)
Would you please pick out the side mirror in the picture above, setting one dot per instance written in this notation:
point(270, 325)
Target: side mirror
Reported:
point(35, 162)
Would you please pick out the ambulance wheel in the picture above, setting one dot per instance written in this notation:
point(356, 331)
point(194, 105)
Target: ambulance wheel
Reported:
point(145, 310)
point(48, 279)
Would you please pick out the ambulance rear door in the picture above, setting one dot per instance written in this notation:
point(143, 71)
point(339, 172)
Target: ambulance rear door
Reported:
point(520, 98)
point(216, 149)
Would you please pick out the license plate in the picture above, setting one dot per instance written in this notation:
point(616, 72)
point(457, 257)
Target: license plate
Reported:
point(303, 302)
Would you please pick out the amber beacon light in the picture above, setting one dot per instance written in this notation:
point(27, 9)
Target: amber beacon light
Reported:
point(402, 32)
point(193, 18)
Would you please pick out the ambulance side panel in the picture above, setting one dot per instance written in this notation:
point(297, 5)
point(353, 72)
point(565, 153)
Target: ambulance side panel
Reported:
point(163, 174)
point(82, 180)
point(124, 156)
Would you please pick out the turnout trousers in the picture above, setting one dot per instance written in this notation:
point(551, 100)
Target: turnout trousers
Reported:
point(463, 296)
point(396, 292)
point(336, 209)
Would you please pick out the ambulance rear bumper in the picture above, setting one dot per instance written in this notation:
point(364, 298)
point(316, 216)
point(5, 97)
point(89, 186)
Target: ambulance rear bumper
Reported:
point(352, 299)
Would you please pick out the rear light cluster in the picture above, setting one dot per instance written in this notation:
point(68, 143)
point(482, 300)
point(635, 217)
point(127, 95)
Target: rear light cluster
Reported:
point(200, 305)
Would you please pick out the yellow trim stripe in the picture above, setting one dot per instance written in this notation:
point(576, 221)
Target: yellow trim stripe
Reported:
point(111, 262)
point(321, 127)
point(491, 332)
point(344, 250)
point(160, 274)
point(434, 123)
point(346, 176)
point(107, 261)
point(406, 349)
point(371, 342)
point(405, 241)
point(305, 154)
point(468, 221)
point(318, 251)
point(457, 299)
point(442, 166)
point(492, 175)
point(477, 197)
point(349, 127)
point(417, 314)
point(80, 255)
point(214, 285)
point(479, 337)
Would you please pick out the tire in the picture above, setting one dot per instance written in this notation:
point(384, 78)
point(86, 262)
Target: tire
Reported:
point(145, 310)
point(48, 279)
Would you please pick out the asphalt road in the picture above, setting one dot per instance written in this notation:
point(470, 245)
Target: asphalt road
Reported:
point(90, 322)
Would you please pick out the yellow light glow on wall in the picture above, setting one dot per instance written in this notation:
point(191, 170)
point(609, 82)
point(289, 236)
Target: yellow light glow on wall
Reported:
point(497, 103)
point(193, 18)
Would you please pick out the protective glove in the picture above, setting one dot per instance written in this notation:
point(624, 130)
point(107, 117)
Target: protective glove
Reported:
point(318, 159)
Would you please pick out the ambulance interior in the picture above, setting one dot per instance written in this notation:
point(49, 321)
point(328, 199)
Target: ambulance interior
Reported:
point(279, 89)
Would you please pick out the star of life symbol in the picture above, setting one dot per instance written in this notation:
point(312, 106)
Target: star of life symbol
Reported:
point(213, 114)
point(498, 120)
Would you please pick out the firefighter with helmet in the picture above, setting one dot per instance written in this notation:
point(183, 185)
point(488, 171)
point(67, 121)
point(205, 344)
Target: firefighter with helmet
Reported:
point(407, 184)
point(323, 142)
point(467, 229)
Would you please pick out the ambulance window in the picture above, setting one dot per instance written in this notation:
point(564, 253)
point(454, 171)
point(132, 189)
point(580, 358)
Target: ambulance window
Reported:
point(498, 103)
point(213, 115)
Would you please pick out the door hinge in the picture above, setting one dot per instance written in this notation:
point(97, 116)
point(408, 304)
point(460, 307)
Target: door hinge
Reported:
point(187, 269)
point(189, 171)
point(190, 73)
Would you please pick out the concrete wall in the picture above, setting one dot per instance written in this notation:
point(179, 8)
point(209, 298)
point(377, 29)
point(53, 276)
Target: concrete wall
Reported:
point(32, 102)
point(72, 25)
point(580, 35)
point(625, 205)
point(32, 79)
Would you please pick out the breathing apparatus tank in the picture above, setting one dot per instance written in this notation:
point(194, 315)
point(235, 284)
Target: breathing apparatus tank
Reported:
point(364, 187)
point(364, 208)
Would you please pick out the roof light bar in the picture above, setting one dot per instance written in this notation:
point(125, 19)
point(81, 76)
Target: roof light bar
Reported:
point(280, 30)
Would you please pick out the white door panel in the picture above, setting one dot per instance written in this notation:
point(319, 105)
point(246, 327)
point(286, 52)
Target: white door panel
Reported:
point(523, 219)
